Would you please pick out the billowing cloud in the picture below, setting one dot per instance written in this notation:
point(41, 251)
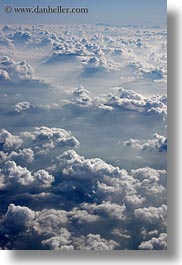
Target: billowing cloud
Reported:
point(83, 98)
point(17, 175)
point(25, 154)
point(18, 216)
point(9, 141)
point(94, 242)
point(123, 99)
point(16, 71)
point(91, 193)
point(158, 143)
point(112, 210)
point(156, 243)
point(151, 215)
point(134, 201)
point(148, 173)
point(45, 138)
point(77, 166)
point(50, 224)
point(82, 216)
point(107, 195)
point(148, 71)
point(130, 100)
point(61, 242)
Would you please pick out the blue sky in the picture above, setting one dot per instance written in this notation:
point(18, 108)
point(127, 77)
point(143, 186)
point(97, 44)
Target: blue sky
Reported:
point(115, 11)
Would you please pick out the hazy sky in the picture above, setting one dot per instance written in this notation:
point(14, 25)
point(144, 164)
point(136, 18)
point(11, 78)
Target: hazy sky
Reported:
point(115, 11)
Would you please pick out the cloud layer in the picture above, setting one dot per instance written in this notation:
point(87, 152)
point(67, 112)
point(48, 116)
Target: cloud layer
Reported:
point(94, 196)
point(68, 179)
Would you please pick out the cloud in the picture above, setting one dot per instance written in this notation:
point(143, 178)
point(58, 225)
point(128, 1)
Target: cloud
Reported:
point(6, 28)
point(16, 72)
point(148, 173)
point(17, 175)
point(22, 106)
point(97, 65)
point(9, 141)
point(82, 216)
point(87, 52)
point(108, 183)
point(83, 98)
point(45, 138)
point(152, 184)
point(130, 100)
point(154, 74)
point(42, 179)
point(61, 242)
point(4, 76)
point(45, 225)
point(148, 71)
point(151, 215)
point(134, 201)
point(119, 198)
point(112, 210)
point(56, 229)
point(23, 155)
point(18, 216)
point(117, 49)
point(159, 243)
point(50, 224)
point(94, 242)
point(20, 36)
point(71, 164)
point(158, 143)
point(5, 42)
point(42, 139)
point(123, 99)
point(3, 156)
point(80, 200)
point(89, 195)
